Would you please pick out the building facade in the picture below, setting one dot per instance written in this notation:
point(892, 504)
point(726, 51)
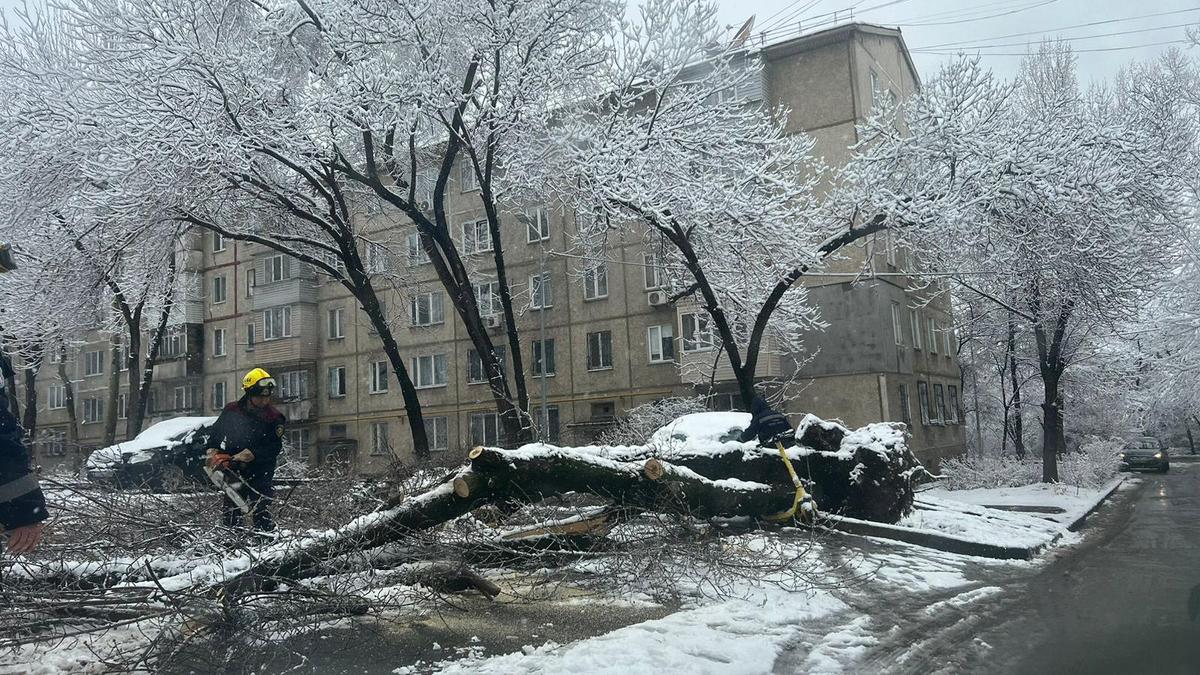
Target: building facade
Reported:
point(594, 344)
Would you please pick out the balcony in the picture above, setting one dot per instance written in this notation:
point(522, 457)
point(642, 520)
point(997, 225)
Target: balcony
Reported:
point(287, 292)
point(301, 410)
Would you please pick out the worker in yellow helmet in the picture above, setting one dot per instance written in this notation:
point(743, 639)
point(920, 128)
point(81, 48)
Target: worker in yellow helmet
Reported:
point(246, 440)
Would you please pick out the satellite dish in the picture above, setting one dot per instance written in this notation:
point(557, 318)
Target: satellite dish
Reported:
point(743, 34)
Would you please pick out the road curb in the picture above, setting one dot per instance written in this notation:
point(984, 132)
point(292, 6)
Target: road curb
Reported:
point(949, 544)
point(940, 542)
point(1076, 524)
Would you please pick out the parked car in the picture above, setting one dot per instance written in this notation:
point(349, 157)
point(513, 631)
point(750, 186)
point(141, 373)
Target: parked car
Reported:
point(166, 455)
point(1146, 453)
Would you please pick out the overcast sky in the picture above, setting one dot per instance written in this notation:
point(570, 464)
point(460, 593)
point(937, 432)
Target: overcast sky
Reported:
point(934, 29)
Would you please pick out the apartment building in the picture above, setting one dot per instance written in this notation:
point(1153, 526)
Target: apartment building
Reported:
point(594, 343)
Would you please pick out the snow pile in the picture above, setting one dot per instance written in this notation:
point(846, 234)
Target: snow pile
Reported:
point(164, 435)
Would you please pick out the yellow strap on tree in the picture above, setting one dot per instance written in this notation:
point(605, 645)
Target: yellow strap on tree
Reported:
point(801, 495)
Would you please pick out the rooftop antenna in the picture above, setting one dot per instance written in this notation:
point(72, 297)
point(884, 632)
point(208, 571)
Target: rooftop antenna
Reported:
point(743, 34)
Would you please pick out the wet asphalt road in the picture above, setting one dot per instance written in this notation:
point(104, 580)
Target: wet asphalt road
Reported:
point(1119, 603)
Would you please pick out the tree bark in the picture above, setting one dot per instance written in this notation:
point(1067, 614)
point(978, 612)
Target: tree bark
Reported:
point(32, 368)
point(114, 390)
point(1191, 441)
point(1018, 430)
point(69, 396)
point(134, 407)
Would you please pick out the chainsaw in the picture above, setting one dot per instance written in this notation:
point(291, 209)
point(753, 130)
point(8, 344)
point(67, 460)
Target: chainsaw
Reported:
point(234, 487)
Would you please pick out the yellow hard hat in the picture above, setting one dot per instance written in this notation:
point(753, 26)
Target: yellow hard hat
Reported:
point(258, 382)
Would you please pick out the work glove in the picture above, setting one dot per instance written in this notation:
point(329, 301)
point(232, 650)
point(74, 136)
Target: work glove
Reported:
point(219, 460)
point(245, 456)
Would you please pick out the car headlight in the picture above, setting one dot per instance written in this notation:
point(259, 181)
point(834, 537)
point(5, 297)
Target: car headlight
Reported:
point(1122, 456)
point(1158, 455)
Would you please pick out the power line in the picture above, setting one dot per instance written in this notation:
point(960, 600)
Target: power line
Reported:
point(1064, 39)
point(1072, 27)
point(1015, 10)
point(1077, 51)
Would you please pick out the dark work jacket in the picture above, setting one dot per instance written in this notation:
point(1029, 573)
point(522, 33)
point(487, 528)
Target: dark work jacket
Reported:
point(240, 427)
point(21, 501)
point(768, 426)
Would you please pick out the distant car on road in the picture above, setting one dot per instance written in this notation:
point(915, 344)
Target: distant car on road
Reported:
point(1146, 452)
point(166, 455)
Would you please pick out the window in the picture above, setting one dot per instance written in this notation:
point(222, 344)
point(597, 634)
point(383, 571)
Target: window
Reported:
point(93, 363)
point(939, 404)
point(933, 337)
point(475, 371)
point(184, 396)
point(697, 336)
point(423, 190)
point(477, 238)
point(337, 430)
point(122, 406)
point(487, 295)
point(93, 410)
point(905, 413)
point(545, 422)
point(952, 404)
point(218, 242)
point(219, 342)
point(604, 411)
point(656, 275)
point(541, 293)
point(56, 397)
point(277, 323)
point(890, 243)
point(437, 429)
point(595, 282)
point(428, 309)
point(293, 385)
point(337, 382)
point(416, 252)
point(914, 321)
point(174, 343)
point(466, 176)
point(947, 341)
point(897, 326)
point(660, 342)
point(218, 395)
point(379, 377)
point(219, 289)
point(251, 281)
point(298, 443)
point(123, 358)
point(429, 371)
point(484, 428)
point(336, 323)
point(538, 225)
point(378, 261)
point(381, 444)
point(599, 350)
point(543, 357)
point(923, 401)
point(250, 337)
point(278, 268)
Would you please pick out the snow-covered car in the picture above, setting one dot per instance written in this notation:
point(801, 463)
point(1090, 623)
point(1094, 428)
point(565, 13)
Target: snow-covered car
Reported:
point(1145, 453)
point(165, 455)
point(702, 430)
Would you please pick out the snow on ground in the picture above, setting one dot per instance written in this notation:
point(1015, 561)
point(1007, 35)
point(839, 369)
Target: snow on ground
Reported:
point(1073, 501)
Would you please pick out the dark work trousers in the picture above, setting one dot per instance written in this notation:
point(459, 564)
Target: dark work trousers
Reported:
point(259, 493)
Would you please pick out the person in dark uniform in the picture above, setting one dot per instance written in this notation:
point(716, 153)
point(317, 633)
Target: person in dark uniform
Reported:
point(768, 426)
point(22, 506)
point(247, 439)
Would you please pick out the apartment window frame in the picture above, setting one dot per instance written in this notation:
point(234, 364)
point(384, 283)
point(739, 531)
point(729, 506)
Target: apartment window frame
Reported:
point(300, 442)
point(923, 402)
point(654, 272)
point(278, 269)
point(251, 281)
point(467, 180)
point(599, 345)
point(541, 357)
point(417, 255)
point(701, 339)
point(336, 378)
point(475, 371)
point(93, 410)
point(56, 397)
point(914, 321)
point(122, 406)
point(549, 419)
point(541, 291)
point(939, 403)
point(662, 336)
point(432, 304)
point(381, 442)
point(595, 282)
point(952, 404)
point(493, 305)
point(93, 363)
point(335, 323)
point(478, 427)
point(294, 385)
point(378, 383)
point(933, 336)
point(947, 341)
point(220, 345)
point(474, 235)
point(251, 336)
point(220, 289)
point(277, 323)
point(430, 371)
point(897, 325)
point(537, 225)
point(218, 242)
point(437, 430)
point(220, 395)
point(905, 406)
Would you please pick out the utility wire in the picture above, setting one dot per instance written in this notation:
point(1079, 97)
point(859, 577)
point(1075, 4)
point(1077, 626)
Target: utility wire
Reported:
point(1015, 10)
point(1077, 51)
point(1059, 28)
point(1064, 39)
